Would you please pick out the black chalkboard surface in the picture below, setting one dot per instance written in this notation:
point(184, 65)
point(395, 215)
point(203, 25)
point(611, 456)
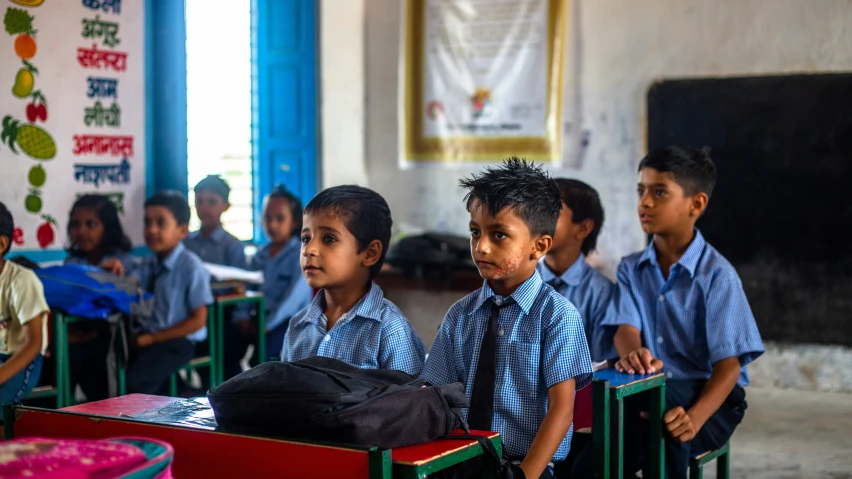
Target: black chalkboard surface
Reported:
point(782, 208)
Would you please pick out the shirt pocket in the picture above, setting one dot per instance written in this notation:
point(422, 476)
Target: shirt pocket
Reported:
point(521, 372)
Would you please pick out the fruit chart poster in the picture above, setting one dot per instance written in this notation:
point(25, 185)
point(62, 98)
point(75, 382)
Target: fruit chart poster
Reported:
point(72, 113)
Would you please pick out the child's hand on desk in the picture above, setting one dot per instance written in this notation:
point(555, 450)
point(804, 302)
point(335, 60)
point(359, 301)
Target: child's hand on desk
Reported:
point(114, 266)
point(640, 361)
point(144, 340)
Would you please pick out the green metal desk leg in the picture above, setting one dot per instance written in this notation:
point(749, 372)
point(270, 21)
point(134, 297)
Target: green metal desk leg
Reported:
point(379, 463)
point(616, 423)
point(261, 331)
point(658, 446)
point(212, 342)
point(217, 354)
point(8, 421)
point(63, 368)
point(723, 465)
point(601, 428)
point(121, 360)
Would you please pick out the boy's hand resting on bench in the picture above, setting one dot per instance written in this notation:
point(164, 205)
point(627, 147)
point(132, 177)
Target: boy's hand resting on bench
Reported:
point(640, 361)
point(680, 425)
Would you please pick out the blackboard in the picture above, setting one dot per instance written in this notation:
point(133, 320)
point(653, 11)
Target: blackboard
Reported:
point(782, 208)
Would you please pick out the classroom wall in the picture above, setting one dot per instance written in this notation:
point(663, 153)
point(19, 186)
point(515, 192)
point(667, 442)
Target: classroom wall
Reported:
point(342, 97)
point(615, 50)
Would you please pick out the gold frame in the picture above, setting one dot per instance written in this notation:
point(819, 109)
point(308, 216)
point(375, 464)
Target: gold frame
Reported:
point(419, 148)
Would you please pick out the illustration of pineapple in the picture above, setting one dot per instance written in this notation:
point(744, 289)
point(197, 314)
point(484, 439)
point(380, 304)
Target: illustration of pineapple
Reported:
point(32, 140)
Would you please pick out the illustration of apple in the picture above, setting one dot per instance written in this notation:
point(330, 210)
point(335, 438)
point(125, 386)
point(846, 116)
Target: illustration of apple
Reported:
point(18, 237)
point(45, 233)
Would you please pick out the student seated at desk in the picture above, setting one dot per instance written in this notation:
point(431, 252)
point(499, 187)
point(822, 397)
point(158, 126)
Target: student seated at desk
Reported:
point(95, 235)
point(211, 242)
point(167, 339)
point(345, 235)
point(285, 291)
point(515, 331)
point(565, 267)
point(23, 327)
point(680, 309)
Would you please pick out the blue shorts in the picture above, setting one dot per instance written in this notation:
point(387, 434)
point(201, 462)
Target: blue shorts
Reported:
point(18, 386)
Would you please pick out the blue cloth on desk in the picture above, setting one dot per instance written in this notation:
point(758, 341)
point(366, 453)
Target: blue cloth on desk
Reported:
point(697, 317)
point(83, 291)
point(541, 343)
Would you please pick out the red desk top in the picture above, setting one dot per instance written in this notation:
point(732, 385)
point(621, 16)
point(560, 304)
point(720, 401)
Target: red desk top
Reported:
point(411, 455)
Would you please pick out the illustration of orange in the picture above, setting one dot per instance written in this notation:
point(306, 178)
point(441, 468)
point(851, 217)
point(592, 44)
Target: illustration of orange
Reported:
point(25, 46)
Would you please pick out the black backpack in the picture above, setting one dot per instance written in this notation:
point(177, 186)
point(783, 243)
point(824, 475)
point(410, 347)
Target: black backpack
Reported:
point(329, 400)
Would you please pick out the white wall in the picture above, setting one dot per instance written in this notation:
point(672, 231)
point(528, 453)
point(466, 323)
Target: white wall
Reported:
point(342, 91)
point(616, 49)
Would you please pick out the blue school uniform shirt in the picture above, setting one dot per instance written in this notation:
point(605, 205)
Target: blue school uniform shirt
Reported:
point(126, 259)
point(590, 292)
point(540, 343)
point(220, 247)
point(181, 285)
point(697, 317)
point(374, 334)
point(284, 288)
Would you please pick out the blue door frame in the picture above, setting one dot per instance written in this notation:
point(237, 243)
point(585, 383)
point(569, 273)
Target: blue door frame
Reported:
point(284, 99)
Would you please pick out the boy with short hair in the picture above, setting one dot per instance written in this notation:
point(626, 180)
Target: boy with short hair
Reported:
point(23, 323)
point(345, 235)
point(680, 309)
point(516, 344)
point(565, 267)
point(211, 242)
point(180, 283)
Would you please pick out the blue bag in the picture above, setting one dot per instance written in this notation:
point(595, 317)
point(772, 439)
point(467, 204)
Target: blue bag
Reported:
point(89, 292)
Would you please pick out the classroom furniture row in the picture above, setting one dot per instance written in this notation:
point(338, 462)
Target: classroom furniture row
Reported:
point(204, 452)
point(609, 390)
point(63, 390)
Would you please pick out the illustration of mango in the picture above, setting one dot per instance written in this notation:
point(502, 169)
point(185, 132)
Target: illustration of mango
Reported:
point(28, 3)
point(32, 140)
point(24, 80)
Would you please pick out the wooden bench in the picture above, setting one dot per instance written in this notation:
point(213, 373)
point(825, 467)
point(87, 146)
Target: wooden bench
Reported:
point(723, 463)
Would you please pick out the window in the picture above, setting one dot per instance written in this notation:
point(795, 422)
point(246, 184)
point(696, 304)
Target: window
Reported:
point(218, 50)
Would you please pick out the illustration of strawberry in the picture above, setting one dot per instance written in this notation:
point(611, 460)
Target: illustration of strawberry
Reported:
point(18, 237)
point(45, 233)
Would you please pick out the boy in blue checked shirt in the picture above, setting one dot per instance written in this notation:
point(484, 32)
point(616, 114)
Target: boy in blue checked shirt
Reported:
point(680, 308)
point(212, 243)
point(516, 344)
point(345, 234)
point(565, 267)
point(167, 339)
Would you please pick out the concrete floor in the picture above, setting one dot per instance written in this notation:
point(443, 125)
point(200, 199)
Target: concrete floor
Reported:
point(792, 435)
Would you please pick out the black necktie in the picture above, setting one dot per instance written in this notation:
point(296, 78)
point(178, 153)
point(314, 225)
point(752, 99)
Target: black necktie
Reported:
point(152, 279)
point(482, 396)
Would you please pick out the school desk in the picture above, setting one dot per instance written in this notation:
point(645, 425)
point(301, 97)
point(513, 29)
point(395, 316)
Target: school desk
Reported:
point(609, 388)
point(219, 305)
point(62, 350)
point(200, 451)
